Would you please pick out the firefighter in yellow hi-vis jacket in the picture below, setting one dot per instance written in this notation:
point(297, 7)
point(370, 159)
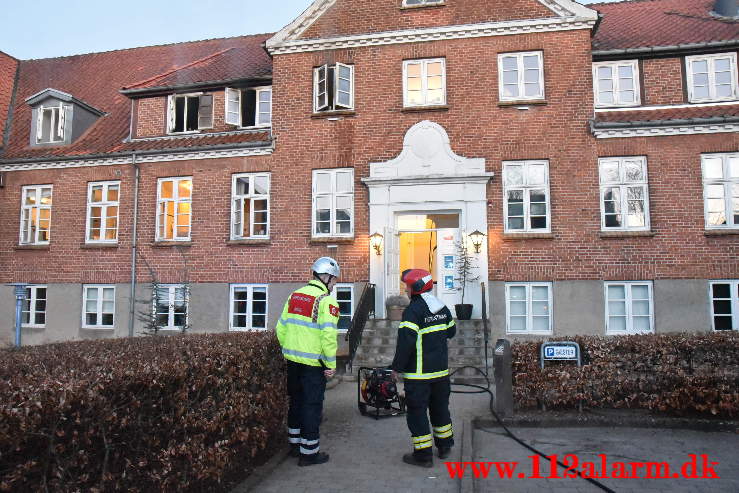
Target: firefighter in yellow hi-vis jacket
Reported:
point(307, 333)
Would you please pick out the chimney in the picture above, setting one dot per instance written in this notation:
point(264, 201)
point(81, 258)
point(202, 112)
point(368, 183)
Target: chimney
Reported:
point(726, 8)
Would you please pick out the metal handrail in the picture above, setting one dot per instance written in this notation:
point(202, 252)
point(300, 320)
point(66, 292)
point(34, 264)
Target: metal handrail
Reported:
point(365, 308)
point(485, 328)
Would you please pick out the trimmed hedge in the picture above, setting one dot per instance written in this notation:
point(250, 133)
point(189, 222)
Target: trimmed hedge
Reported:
point(682, 374)
point(179, 413)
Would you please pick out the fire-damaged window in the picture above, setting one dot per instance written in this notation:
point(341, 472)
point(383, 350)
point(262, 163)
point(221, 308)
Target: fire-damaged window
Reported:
point(189, 113)
point(333, 87)
point(250, 107)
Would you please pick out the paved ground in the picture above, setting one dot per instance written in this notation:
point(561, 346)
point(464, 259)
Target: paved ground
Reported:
point(619, 444)
point(366, 455)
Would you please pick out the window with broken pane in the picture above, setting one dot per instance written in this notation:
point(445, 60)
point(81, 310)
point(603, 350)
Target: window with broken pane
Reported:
point(190, 113)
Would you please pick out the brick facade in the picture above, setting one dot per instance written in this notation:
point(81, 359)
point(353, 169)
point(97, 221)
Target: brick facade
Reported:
point(479, 126)
point(8, 67)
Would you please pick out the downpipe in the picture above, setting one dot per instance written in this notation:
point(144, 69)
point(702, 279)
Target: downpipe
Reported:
point(134, 244)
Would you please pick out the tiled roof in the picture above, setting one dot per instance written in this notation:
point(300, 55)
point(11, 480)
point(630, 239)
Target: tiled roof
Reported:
point(647, 23)
point(197, 140)
point(675, 116)
point(8, 67)
point(97, 78)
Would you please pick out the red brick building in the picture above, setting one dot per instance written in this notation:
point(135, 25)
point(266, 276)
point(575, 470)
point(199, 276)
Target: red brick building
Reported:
point(595, 147)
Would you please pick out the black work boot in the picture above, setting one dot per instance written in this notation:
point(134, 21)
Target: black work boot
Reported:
point(312, 459)
point(294, 450)
point(419, 460)
point(444, 452)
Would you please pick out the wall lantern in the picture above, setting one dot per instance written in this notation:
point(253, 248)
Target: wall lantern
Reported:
point(376, 242)
point(476, 237)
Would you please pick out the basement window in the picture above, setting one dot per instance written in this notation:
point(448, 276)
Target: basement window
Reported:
point(333, 87)
point(189, 113)
point(250, 107)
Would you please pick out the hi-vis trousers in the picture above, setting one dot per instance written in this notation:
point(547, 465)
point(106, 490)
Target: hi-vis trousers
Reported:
point(305, 385)
point(432, 396)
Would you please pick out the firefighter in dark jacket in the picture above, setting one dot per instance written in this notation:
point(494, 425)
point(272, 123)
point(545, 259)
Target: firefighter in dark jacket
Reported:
point(421, 356)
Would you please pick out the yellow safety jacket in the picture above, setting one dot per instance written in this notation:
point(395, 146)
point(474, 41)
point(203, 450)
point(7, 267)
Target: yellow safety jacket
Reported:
point(307, 327)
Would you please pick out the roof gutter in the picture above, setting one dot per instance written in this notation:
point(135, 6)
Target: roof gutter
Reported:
point(150, 91)
point(662, 51)
point(177, 150)
point(665, 123)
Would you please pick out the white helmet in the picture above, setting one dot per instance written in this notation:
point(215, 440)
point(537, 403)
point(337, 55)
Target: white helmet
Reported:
point(326, 265)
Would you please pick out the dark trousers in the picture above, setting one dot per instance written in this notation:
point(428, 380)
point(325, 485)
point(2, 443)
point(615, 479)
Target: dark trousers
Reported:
point(305, 386)
point(432, 397)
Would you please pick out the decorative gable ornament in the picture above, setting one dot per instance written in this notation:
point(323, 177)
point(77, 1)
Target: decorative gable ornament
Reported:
point(568, 15)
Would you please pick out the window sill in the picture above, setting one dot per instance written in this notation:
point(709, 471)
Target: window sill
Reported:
point(249, 241)
point(626, 234)
point(331, 239)
point(416, 109)
point(31, 247)
point(334, 113)
point(423, 6)
point(167, 244)
point(97, 328)
point(523, 102)
point(95, 246)
point(721, 232)
point(527, 236)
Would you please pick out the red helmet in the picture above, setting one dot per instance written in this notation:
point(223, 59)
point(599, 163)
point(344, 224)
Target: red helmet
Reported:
point(418, 280)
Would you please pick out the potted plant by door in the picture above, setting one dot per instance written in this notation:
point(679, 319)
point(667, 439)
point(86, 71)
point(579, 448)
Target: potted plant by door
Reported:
point(465, 269)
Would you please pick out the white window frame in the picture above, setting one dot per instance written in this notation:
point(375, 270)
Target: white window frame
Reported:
point(252, 197)
point(172, 115)
point(629, 301)
point(352, 302)
point(727, 182)
point(529, 310)
point(171, 290)
point(176, 199)
point(520, 69)
point(99, 310)
point(526, 197)
point(711, 61)
point(32, 306)
point(424, 62)
point(614, 66)
point(33, 234)
point(317, 106)
point(237, 118)
point(734, 301)
point(57, 122)
point(334, 195)
point(104, 205)
point(249, 306)
point(622, 185)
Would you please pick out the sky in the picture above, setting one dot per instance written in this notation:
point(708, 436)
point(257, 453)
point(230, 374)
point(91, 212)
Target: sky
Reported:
point(72, 27)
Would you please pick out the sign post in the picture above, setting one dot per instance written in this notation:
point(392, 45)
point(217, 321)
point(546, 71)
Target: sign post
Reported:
point(502, 358)
point(20, 296)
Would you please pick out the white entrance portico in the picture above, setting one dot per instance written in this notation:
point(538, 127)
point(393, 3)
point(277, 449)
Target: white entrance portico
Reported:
point(428, 181)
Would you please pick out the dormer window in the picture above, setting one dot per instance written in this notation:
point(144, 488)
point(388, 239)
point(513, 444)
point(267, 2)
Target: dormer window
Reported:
point(59, 118)
point(250, 107)
point(190, 113)
point(50, 124)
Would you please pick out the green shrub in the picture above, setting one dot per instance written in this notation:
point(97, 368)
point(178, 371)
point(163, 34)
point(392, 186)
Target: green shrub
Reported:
point(175, 413)
point(683, 374)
